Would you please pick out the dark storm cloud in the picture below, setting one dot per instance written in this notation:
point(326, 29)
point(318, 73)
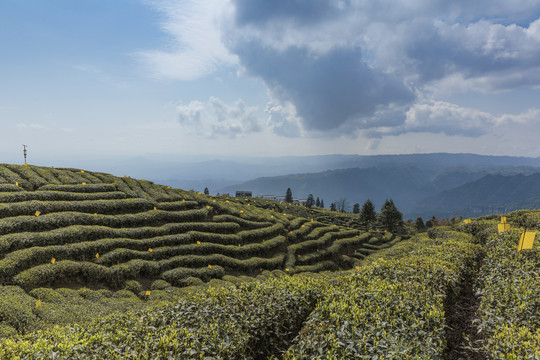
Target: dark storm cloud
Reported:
point(327, 89)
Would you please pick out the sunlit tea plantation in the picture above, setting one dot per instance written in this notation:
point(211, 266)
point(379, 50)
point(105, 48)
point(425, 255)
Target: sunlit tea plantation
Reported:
point(94, 266)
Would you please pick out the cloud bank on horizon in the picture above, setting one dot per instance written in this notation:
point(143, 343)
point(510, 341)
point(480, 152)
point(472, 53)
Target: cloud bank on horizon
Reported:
point(334, 68)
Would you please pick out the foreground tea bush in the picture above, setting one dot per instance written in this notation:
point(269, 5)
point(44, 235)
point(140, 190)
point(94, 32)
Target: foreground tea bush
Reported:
point(389, 309)
point(510, 291)
point(249, 321)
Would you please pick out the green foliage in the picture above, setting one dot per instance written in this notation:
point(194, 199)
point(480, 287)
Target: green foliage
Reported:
point(391, 218)
point(288, 196)
point(367, 215)
point(509, 284)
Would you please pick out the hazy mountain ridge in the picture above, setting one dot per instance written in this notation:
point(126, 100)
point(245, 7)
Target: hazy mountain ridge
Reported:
point(410, 180)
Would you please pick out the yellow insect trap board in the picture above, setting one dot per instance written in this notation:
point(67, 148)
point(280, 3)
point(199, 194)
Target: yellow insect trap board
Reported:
point(503, 227)
point(526, 240)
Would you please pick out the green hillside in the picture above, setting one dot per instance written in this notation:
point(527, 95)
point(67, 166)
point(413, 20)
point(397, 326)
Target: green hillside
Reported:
point(96, 266)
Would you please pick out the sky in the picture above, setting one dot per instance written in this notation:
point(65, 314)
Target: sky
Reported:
point(169, 79)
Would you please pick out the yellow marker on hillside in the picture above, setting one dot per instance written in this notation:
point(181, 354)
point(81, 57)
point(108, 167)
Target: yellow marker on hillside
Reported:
point(467, 221)
point(287, 269)
point(150, 250)
point(358, 268)
point(526, 240)
point(97, 255)
point(168, 187)
point(38, 303)
point(83, 183)
point(148, 292)
point(82, 171)
point(503, 219)
point(95, 214)
point(53, 260)
point(16, 183)
point(37, 213)
point(198, 243)
point(155, 208)
point(503, 227)
point(209, 266)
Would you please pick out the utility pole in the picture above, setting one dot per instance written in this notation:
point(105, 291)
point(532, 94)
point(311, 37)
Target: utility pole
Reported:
point(24, 151)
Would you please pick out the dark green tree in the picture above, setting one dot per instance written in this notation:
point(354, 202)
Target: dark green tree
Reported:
point(356, 208)
point(333, 206)
point(288, 196)
point(309, 201)
point(367, 215)
point(429, 224)
point(322, 204)
point(206, 192)
point(420, 226)
point(391, 217)
point(318, 202)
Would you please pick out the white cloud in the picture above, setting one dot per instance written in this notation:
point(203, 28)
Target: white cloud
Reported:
point(216, 119)
point(196, 48)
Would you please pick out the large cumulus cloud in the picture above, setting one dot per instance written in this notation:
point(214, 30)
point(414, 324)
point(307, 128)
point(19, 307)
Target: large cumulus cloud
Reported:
point(381, 67)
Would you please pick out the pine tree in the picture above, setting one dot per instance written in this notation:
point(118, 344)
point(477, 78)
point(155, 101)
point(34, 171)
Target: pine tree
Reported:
point(318, 202)
point(391, 217)
point(288, 196)
point(322, 204)
point(206, 192)
point(356, 208)
point(333, 206)
point(309, 201)
point(420, 226)
point(367, 215)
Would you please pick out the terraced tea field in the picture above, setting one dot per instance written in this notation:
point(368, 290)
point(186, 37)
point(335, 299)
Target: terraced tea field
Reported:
point(73, 228)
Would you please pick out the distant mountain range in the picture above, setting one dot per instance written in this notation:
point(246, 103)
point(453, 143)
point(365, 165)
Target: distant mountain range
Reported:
point(492, 194)
point(420, 185)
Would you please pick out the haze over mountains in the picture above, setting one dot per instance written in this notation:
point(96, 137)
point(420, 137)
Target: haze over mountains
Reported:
point(438, 184)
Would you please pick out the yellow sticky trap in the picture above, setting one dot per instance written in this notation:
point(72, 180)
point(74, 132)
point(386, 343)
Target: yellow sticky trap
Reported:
point(311, 220)
point(526, 240)
point(198, 243)
point(125, 176)
point(25, 164)
point(467, 221)
point(149, 249)
point(95, 214)
point(208, 207)
point(357, 268)
point(272, 216)
point(199, 193)
point(37, 213)
point(503, 227)
point(38, 303)
point(241, 211)
point(155, 208)
point(287, 269)
point(82, 171)
point(183, 200)
point(213, 200)
point(148, 292)
point(168, 187)
point(503, 219)
point(16, 183)
point(209, 266)
point(97, 255)
point(53, 260)
point(83, 183)
point(239, 245)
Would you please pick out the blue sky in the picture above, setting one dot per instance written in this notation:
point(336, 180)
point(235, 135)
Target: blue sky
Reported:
point(95, 78)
